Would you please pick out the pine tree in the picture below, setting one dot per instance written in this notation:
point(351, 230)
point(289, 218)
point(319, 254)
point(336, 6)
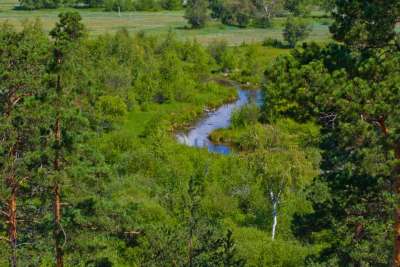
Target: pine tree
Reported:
point(365, 24)
point(22, 57)
point(67, 31)
point(356, 105)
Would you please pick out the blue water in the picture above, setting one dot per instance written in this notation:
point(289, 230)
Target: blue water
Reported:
point(221, 118)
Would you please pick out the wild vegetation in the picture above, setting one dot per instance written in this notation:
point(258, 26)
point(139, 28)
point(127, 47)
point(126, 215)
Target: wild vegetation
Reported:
point(92, 174)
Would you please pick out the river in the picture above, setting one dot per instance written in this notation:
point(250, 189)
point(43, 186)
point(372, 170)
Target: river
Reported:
point(198, 135)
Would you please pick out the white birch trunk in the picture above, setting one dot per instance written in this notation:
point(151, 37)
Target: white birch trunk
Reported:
point(274, 200)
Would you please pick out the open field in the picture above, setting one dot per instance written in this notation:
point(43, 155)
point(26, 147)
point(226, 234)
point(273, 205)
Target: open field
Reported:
point(159, 23)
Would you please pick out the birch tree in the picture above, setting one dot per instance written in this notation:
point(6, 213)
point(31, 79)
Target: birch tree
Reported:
point(280, 173)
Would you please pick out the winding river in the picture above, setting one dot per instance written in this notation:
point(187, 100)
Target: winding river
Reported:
point(198, 135)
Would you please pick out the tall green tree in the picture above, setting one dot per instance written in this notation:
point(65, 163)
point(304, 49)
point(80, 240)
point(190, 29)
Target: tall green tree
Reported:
point(365, 24)
point(296, 29)
point(196, 13)
point(23, 57)
point(280, 173)
point(67, 31)
point(354, 99)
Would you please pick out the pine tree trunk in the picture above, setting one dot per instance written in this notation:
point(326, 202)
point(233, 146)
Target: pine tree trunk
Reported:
point(57, 200)
point(396, 257)
point(57, 226)
point(12, 223)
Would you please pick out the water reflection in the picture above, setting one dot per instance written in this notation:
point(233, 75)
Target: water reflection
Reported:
point(221, 118)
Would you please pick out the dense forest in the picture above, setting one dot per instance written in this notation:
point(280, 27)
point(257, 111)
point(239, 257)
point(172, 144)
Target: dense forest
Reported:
point(92, 174)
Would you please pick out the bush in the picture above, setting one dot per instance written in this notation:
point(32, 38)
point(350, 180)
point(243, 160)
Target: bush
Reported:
point(296, 29)
point(197, 13)
point(147, 5)
point(119, 5)
point(247, 115)
point(171, 4)
point(272, 42)
point(112, 109)
point(38, 4)
point(223, 55)
point(237, 13)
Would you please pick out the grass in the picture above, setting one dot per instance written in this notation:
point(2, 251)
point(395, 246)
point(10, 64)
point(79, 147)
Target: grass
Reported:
point(157, 23)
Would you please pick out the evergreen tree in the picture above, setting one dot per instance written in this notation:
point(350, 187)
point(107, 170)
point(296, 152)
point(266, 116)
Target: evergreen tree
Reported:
point(356, 105)
point(365, 24)
point(23, 56)
point(68, 30)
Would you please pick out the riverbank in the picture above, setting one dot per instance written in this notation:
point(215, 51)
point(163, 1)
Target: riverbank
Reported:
point(198, 136)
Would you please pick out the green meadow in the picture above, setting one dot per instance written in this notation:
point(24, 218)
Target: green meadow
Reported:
point(157, 23)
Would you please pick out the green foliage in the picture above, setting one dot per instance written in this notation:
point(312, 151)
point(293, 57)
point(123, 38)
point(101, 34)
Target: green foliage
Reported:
point(68, 29)
point(243, 13)
point(270, 42)
point(196, 13)
point(109, 5)
point(353, 97)
point(23, 122)
point(171, 4)
point(147, 5)
point(223, 55)
point(38, 4)
point(216, 7)
point(247, 115)
point(296, 30)
point(298, 7)
point(132, 196)
point(238, 12)
point(364, 25)
point(119, 5)
point(112, 109)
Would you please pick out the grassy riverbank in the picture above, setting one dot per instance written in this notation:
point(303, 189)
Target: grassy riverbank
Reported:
point(176, 115)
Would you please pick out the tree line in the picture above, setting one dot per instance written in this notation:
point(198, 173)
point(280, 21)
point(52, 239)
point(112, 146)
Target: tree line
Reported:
point(108, 5)
point(243, 13)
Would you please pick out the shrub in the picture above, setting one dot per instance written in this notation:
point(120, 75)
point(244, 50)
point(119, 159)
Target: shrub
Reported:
point(272, 42)
point(171, 4)
point(112, 109)
point(223, 55)
point(119, 5)
point(147, 5)
point(196, 13)
point(296, 29)
point(237, 13)
point(247, 115)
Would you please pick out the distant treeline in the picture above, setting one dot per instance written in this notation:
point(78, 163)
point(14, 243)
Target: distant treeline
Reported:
point(260, 12)
point(243, 13)
point(109, 5)
point(236, 12)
